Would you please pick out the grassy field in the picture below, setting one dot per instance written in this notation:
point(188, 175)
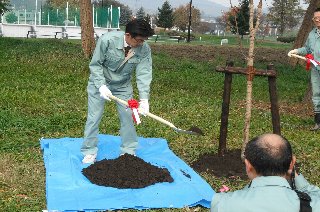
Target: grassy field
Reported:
point(43, 94)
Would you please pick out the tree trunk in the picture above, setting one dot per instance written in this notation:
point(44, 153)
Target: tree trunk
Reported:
point(87, 31)
point(251, 72)
point(304, 30)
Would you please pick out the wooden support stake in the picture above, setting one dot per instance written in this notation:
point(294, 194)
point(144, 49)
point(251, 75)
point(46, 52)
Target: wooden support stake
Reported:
point(274, 102)
point(225, 112)
point(229, 70)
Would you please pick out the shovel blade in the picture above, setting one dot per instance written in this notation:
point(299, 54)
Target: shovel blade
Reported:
point(191, 131)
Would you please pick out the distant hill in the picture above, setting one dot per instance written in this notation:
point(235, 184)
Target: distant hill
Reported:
point(207, 7)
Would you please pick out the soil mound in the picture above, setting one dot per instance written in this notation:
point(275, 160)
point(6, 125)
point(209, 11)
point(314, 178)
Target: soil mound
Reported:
point(230, 165)
point(126, 171)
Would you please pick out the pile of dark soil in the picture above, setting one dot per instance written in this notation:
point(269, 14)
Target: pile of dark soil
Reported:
point(230, 165)
point(126, 171)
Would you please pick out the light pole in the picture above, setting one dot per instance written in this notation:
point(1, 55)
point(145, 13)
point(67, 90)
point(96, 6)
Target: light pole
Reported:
point(190, 15)
point(35, 15)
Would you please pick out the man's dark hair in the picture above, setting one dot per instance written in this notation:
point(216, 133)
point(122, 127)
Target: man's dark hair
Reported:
point(317, 10)
point(139, 27)
point(267, 159)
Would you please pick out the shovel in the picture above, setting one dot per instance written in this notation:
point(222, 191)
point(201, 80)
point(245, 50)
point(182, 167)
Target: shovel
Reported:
point(191, 131)
point(303, 58)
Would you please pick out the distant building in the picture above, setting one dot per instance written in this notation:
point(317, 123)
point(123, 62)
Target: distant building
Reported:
point(24, 17)
point(216, 29)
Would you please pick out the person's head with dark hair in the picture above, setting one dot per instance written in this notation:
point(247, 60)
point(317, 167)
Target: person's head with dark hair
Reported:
point(268, 155)
point(316, 17)
point(137, 31)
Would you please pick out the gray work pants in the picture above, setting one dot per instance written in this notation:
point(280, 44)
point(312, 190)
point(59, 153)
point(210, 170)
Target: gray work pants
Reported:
point(96, 105)
point(315, 82)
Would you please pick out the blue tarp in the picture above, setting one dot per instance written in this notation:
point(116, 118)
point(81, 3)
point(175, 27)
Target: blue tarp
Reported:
point(67, 189)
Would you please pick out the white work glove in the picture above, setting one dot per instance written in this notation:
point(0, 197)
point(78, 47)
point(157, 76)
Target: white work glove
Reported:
point(105, 92)
point(143, 106)
point(294, 51)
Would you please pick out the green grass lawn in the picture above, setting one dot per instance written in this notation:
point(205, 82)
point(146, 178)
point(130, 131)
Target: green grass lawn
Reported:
point(43, 94)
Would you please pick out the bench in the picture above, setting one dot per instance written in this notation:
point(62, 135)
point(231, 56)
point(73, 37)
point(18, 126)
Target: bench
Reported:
point(69, 35)
point(177, 38)
point(32, 34)
point(61, 35)
point(46, 35)
point(163, 38)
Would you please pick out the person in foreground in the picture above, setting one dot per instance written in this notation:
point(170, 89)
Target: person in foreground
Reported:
point(312, 49)
point(269, 165)
point(115, 58)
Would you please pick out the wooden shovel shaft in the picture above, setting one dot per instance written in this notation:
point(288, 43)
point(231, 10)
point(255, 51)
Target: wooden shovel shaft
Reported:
point(148, 114)
point(298, 56)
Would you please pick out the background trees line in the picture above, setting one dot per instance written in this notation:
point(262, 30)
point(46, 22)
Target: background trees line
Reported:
point(282, 14)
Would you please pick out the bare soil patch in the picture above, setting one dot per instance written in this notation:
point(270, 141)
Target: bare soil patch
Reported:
point(230, 165)
point(210, 53)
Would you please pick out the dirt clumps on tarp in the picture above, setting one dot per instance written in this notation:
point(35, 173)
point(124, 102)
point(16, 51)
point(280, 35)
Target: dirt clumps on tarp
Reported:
point(230, 165)
point(126, 171)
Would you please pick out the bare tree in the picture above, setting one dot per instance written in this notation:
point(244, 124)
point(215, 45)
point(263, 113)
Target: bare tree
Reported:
point(181, 17)
point(250, 71)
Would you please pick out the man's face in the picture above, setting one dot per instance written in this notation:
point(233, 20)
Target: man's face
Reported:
point(135, 41)
point(316, 19)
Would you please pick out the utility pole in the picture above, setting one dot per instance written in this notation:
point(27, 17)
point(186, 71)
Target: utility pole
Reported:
point(190, 15)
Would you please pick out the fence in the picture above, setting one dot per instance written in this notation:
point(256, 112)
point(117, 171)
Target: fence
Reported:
point(107, 17)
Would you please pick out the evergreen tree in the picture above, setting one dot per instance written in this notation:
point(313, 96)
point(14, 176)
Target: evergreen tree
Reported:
point(285, 14)
point(125, 15)
point(165, 16)
point(141, 14)
point(240, 20)
point(11, 18)
point(4, 6)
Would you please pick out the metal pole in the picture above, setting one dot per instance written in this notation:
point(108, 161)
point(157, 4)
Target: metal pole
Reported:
point(25, 16)
point(40, 16)
point(75, 17)
point(35, 15)
point(93, 14)
point(57, 17)
point(119, 18)
point(111, 15)
point(190, 15)
point(67, 11)
point(108, 21)
point(97, 18)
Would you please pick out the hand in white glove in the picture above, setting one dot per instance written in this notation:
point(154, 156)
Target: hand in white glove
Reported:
point(294, 51)
point(105, 92)
point(143, 106)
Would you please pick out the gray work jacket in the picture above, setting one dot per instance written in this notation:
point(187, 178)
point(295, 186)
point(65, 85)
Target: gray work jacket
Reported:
point(108, 65)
